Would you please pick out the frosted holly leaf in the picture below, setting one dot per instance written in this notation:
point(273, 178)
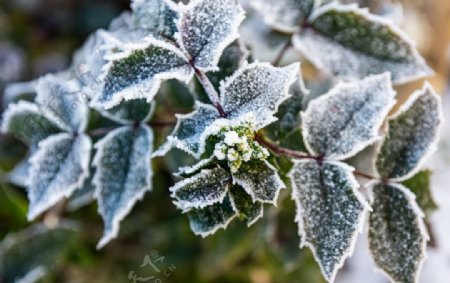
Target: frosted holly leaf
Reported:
point(207, 221)
point(258, 88)
point(397, 234)
point(62, 102)
point(26, 122)
point(19, 174)
point(201, 190)
point(284, 15)
point(260, 180)
point(58, 168)
point(26, 256)
point(351, 43)
point(15, 92)
point(139, 71)
point(330, 211)
point(156, 17)
point(123, 175)
point(206, 28)
point(129, 111)
point(189, 170)
point(412, 137)
point(188, 134)
point(344, 121)
point(243, 203)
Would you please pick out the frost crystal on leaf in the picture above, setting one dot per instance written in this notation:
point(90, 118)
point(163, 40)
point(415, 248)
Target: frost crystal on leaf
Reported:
point(243, 203)
point(413, 134)
point(58, 168)
point(203, 189)
point(207, 221)
point(284, 15)
point(347, 119)
point(330, 211)
point(138, 72)
point(258, 88)
point(351, 43)
point(188, 133)
point(155, 17)
point(206, 28)
point(260, 180)
point(25, 121)
point(123, 174)
point(397, 234)
point(62, 102)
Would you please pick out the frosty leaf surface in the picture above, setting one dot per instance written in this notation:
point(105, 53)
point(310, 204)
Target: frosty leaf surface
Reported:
point(58, 168)
point(413, 133)
point(61, 101)
point(189, 130)
point(206, 28)
point(129, 111)
point(347, 119)
point(25, 121)
point(350, 43)
point(284, 15)
point(155, 17)
point(203, 189)
point(260, 180)
point(258, 88)
point(27, 255)
point(243, 203)
point(207, 221)
point(397, 235)
point(330, 211)
point(123, 175)
point(189, 170)
point(19, 174)
point(138, 72)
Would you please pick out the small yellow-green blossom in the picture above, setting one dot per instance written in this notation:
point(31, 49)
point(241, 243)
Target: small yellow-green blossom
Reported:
point(237, 145)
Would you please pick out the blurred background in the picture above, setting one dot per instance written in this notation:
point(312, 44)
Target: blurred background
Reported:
point(155, 242)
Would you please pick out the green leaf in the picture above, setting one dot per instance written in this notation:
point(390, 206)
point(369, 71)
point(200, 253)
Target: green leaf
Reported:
point(344, 121)
point(208, 220)
point(397, 234)
point(260, 180)
point(139, 71)
point(130, 111)
point(330, 211)
point(29, 254)
point(420, 185)
point(201, 190)
point(351, 43)
point(412, 136)
point(123, 174)
point(243, 203)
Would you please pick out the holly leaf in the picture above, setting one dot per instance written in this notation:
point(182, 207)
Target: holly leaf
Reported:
point(138, 72)
point(284, 15)
point(62, 102)
point(123, 174)
point(420, 186)
point(201, 190)
point(156, 17)
point(260, 180)
point(188, 134)
point(130, 111)
point(58, 168)
point(243, 203)
point(26, 122)
point(206, 28)
point(412, 136)
point(330, 211)
point(397, 234)
point(258, 88)
point(26, 256)
point(207, 221)
point(351, 43)
point(344, 121)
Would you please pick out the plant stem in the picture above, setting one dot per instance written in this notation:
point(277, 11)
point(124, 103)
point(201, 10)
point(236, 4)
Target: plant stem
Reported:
point(210, 91)
point(282, 52)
